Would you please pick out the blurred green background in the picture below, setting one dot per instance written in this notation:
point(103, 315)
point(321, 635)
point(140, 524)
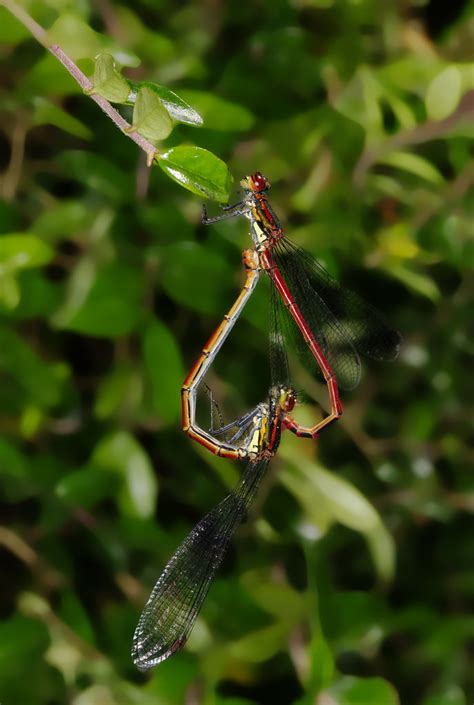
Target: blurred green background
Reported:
point(353, 581)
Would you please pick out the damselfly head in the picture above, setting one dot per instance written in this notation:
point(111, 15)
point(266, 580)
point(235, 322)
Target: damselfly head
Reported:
point(284, 397)
point(256, 182)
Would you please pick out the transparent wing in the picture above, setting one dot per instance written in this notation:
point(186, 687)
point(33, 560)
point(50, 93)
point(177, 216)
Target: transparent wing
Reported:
point(343, 324)
point(279, 340)
point(174, 604)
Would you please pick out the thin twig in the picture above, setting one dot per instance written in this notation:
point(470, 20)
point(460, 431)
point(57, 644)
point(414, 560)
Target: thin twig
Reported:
point(39, 33)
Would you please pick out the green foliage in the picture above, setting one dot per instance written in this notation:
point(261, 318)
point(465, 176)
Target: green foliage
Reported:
point(155, 107)
point(198, 170)
point(350, 584)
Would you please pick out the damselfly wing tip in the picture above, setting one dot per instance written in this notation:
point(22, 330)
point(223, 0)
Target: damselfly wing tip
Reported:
point(145, 656)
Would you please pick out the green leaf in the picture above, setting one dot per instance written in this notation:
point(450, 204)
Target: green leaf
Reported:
point(383, 550)
point(444, 93)
point(18, 251)
point(174, 104)
point(46, 113)
point(41, 382)
point(190, 268)
point(120, 452)
point(364, 691)
point(119, 393)
point(326, 498)
point(164, 370)
point(47, 77)
point(80, 41)
point(99, 174)
point(12, 462)
point(86, 487)
point(452, 695)
point(420, 283)
point(150, 117)
point(280, 600)
point(414, 164)
point(220, 114)
point(197, 170)
point(261, 644)
point(107, 81)
point(10, 294)
point(75, 37)
point(93, 306)
point(63, 220)
point(38, 295)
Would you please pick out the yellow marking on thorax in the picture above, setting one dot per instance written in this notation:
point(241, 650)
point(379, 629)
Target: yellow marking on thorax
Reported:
point(258, 227)
point(257, 440)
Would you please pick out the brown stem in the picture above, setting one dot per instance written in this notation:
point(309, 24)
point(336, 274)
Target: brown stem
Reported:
point(39, 33)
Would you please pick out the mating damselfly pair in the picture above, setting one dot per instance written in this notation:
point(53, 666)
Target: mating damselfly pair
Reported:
point(332, 326)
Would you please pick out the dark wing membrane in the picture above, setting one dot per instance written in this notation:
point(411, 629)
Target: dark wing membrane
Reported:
point(369, 332)
point(280, 371)
point(174, 604)
point(331, 335)
point(241, 428)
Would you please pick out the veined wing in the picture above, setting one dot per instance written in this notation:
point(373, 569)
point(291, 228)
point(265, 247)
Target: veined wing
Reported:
point(342, 322)
point(176, 599)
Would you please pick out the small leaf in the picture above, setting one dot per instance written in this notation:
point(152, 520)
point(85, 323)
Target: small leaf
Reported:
point(443, 94)
point(327, 497)
point(364, 691)
point(107, 81)
point(382, 548)
point(120, 392)
point(414, 164)
point(19, 251)
point(121, 453)
point(420, 283)
point(10, 294)
point(261, 644)
point(64, 219)
point(188, 268)
point(92, 306)
point(397, 241)
point(198, 171)
point(46, 113)
point(451, 695)
point(85, 487)
point(80, 41)
point(220, 114)
point(174, 104)
point(74, 36)
point(150, 117)
point(41, 383)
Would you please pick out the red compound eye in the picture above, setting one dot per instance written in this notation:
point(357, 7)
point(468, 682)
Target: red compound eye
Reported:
point(258, 182)
point(290, 402)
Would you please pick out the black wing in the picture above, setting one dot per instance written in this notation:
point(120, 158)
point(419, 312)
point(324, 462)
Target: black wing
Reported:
point(343, 324)
point(174, 604)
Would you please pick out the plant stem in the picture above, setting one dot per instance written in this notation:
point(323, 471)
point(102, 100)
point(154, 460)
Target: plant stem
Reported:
point(39, 33)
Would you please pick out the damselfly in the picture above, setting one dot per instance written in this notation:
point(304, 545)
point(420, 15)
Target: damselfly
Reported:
point(179, 593)
point(279, 370)
point(336, 324)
